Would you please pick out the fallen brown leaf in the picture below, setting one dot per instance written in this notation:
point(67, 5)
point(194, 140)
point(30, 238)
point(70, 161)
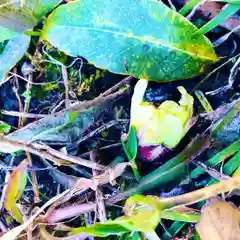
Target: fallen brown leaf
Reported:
point(219, 221)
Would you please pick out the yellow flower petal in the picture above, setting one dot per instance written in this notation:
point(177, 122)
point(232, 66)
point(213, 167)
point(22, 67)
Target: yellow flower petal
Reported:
point(165, 124)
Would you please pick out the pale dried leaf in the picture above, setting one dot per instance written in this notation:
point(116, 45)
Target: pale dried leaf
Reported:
point(109, 176)
point(220, 220)
point(53, 130)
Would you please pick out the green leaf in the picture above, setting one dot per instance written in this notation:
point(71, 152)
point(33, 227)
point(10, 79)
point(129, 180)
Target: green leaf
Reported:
point(180, 216)
point(4, 127)
point(111, 227)
point(130, 148)
point(142, 214)
point(175, 168)
point(226, 12)
point(15, 189)
point(141, 38)
point(15, 19)
point(218, 158)
point(39, 8)
point(173, 230)
point(12, 52)
point(7, 33)
point(188, 6)
point(130, 236)
point(229, 167)
point(71, 116)
point(226, 128)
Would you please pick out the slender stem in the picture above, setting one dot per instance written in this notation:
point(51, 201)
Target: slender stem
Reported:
point(201, 194)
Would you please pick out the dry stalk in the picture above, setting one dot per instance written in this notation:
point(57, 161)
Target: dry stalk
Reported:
point(54, 156)
point(98, 193)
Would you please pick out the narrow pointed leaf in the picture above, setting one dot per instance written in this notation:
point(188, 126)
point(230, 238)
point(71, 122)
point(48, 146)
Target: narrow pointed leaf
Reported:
point(15, 188)
point(141, 38)
point(130, 148)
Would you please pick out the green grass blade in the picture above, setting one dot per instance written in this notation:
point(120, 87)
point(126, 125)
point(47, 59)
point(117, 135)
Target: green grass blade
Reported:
point(227, 11)
point(172, 171)
point(188, 6)
point(229, 167)
point(218, 158)
point(180, 216)
point(173, 230)
point(203, 100)
point(226, 118)
point(175, 168)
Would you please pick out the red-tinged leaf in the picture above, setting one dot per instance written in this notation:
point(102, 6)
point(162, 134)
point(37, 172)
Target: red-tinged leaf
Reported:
point(15, 188)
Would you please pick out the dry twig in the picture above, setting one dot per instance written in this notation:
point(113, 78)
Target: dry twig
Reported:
point(57, 157)
point(98, 193)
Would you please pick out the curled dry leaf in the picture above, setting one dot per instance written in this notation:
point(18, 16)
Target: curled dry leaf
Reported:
point(220, 220)
point(109, 176)
point(15, 188)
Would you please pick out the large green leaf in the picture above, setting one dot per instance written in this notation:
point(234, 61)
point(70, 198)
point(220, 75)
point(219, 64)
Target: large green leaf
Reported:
point(141, 38)
point(40, 8)
point(11, 52)
point(15, 19)
point(7, 33)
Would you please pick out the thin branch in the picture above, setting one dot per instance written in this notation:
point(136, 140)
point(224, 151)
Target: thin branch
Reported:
point(34, 179)
point(23, 114)
point(211, 171)
point(172, 5)
point(201, 194)
point(55, 156)
point(233, 72)
point(225, 37)
point(98, 193)
point(12, 234)
point(102, 128)
point(15, 90)
point(65, 80)
point(96, 101)
point(214, 71)
point(116, 86)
